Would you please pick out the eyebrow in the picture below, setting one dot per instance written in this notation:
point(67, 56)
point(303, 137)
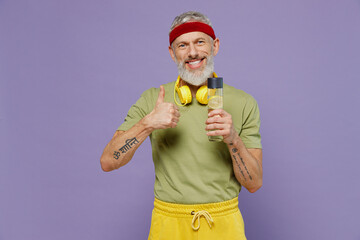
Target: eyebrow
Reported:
point(186, 42)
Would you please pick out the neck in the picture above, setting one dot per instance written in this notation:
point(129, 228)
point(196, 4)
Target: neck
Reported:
point(193, 88)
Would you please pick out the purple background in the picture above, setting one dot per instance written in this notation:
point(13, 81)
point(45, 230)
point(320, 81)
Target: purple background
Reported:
point(70, 71)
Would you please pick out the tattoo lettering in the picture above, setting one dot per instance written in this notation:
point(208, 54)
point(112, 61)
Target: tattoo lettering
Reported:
point(128, 144)
point(237, 163)
point(116, 155)
point(245, 166)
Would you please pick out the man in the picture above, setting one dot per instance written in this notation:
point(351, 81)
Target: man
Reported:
point(197, 181)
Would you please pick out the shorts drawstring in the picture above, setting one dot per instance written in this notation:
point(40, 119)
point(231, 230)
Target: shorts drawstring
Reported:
point(196, 211)
point(197, 216)
point(180, 221)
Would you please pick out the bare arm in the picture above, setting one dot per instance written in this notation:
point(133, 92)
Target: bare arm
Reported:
point(123, 144)
point(247, 163)
point(118, 152)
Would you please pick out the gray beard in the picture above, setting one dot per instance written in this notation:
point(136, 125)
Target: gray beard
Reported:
point(196, 78)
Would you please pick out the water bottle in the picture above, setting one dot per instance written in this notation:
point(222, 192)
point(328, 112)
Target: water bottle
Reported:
point(215, 100)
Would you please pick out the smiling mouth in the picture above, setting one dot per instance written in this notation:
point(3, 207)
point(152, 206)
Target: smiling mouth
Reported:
point(195, 63)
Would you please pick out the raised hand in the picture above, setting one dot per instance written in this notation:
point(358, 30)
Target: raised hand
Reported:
point(164, 115)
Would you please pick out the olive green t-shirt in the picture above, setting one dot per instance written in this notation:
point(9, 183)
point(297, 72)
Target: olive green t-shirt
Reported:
point(189, 169)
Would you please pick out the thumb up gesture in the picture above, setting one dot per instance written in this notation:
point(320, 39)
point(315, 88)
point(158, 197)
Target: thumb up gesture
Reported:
point(165, 115)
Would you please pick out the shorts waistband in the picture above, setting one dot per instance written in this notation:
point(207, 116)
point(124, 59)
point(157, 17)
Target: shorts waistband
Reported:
point(186, 210)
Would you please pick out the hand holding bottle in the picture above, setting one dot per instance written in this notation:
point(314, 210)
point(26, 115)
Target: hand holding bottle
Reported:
point(220, 124)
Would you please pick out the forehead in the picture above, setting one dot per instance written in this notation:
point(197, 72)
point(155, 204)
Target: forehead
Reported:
point(191, 36)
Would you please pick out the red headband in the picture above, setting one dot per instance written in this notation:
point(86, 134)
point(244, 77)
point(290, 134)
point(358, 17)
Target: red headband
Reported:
point(191, 27)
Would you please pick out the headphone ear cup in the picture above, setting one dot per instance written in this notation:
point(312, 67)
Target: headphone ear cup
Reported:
point(202, 95)
point(185, 94)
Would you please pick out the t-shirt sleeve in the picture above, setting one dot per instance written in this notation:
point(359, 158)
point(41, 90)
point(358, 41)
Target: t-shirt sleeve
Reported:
point(250, 131)
point(137, 111)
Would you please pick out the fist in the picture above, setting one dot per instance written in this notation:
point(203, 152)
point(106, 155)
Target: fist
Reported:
point(219, 123)
point(165, 115)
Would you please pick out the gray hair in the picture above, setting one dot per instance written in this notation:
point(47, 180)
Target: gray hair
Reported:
point(187, 16)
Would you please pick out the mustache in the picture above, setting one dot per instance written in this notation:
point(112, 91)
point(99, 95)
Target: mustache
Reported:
point(195, 58)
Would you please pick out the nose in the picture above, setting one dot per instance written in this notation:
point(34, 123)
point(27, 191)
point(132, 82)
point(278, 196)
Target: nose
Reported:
point(193, 53)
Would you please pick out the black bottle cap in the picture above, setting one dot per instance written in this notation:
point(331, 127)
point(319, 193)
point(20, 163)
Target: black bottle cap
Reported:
point(215, 82)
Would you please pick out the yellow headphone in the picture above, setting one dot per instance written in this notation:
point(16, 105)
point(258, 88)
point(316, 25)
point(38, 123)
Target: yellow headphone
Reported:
point(185, 95)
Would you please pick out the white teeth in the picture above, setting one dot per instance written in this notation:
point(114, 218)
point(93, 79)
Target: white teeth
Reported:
point(193, 63)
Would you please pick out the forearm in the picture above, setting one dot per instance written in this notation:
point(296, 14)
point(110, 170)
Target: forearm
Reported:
point(247, 168)
point(123, 145)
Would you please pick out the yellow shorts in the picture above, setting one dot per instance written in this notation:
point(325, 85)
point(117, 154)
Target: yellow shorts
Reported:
point(218, 221)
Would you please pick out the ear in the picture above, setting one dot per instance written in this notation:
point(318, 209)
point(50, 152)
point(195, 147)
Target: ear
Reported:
point(216, 46)
point(172, 54)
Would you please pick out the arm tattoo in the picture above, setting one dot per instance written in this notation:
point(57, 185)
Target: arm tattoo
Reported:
point(235, 150)
point(237, 163)
point(245, 166)
point(116, 155)
point(128, 144)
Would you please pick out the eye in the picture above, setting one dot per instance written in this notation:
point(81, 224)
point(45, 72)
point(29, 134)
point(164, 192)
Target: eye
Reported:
point(200, 42)
point(181, 45)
